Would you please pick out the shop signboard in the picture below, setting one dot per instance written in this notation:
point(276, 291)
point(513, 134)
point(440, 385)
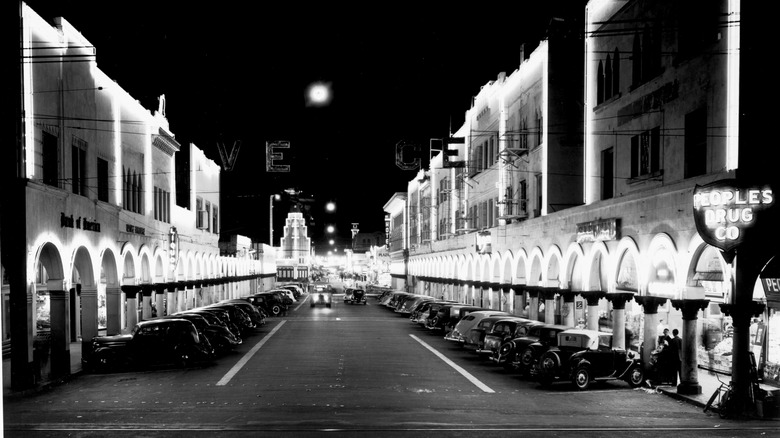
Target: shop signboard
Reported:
point(724, 212)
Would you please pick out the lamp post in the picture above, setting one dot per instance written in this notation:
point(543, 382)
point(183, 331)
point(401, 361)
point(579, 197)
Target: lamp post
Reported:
point(271, 218)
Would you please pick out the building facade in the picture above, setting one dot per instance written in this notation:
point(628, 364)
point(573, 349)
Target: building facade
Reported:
point(577, 204)
point(107, 243)
point(294, 252)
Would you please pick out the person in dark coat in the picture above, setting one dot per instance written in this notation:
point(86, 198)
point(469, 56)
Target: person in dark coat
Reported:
point(675, 353)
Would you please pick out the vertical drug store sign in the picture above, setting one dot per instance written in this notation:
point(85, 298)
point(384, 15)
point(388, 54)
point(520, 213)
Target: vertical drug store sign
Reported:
point(726, 212)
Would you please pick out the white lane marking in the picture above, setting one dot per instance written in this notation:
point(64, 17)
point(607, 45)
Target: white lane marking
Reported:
point(457, 367)
point(240, 364)
point(304, 300)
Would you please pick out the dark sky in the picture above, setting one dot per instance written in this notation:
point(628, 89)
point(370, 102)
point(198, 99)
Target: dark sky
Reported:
point(239, 73)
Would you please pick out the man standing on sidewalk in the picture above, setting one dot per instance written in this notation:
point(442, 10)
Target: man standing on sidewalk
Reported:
point(675, 357)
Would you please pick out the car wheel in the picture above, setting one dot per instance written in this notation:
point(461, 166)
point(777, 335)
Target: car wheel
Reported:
point(328, 305)
point(636, 376)
point(526, 359)
point(276, 310)
point(582, 378)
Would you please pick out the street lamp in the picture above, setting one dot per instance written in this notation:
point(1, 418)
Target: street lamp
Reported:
point(330, 228)
point(271, 217)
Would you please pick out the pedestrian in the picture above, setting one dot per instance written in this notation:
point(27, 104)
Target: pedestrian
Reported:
point(676, 356)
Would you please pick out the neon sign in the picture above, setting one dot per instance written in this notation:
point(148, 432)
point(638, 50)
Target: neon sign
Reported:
point(724, 211)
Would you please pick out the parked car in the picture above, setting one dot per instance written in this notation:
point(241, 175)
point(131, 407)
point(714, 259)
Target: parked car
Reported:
point(502, 330)
point(257, 317)
point(222, 339)
point(392, 303)
point(433, 312)
point(268, 303)
point(522, 352)
point(285, 295)
point(407, 304)
point(458, 315)
point(357, 296)
point(225, 316)
point(444, 317)
point(462, 328)
point(296, 288)
point(288, 293)
point(237, 315)
point(420, 312)
point(476, 336)
point(216, 318)
point(165, 341)
point(584, 356)
point(322, 294)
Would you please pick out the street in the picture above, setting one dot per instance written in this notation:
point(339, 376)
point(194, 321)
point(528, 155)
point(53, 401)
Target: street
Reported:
point(350, 370)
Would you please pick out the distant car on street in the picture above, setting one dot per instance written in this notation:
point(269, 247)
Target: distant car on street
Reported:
point(321, 294)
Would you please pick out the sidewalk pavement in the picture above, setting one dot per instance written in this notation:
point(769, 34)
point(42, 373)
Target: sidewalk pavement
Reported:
point(709, 382)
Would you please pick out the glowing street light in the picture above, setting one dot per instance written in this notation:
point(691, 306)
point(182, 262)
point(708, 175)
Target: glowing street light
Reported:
point(330, 206)
point(332, 242)
point(318, 94)
point(331, 229)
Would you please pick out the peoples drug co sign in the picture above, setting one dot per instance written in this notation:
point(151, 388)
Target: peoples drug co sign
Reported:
point(725, 211)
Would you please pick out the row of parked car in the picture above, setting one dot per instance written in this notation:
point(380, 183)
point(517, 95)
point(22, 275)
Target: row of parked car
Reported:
point(545, 352)
point(192, 336)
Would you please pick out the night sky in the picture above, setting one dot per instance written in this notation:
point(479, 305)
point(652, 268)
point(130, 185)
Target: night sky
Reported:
point(241, 73)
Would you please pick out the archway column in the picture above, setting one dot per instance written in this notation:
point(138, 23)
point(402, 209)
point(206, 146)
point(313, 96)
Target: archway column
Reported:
point(181, 296)
point(198, 286)
point(59, 310)
point(160, 291)
point(650, 328)
point(689, 367)
point(113, 310)
point(131, 292)
point(146, 305)
point(619, 301)
point(568, 307)
point(548, 294)
point(89, 314)
point(593, 297)
point(519, 298)
point(495, 296)
point(533, 305)
point(170, 297)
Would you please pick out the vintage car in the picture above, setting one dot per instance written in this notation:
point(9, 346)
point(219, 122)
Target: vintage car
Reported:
point(461, 329)
point(237, 315)
point(222, 339)
point(284, 295)
point(321, 294)
point(356, 296)
point(458, 315)
point(502, 330)
point(296, 288)
point(407, 304)
point(268, 303)
point(521, 353)
point(392, 303)
point(447, 316)
point(585, 356)
point(475, 338)
point(257, 317)
point(164, 341)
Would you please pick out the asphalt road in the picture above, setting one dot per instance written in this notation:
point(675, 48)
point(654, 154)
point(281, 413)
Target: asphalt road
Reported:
point(350, 370)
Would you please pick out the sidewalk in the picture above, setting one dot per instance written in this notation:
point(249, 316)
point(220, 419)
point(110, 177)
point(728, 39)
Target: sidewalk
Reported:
point(75, 370)
point(709, 384)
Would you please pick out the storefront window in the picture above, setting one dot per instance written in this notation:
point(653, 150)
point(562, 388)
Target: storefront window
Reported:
point(771, 366)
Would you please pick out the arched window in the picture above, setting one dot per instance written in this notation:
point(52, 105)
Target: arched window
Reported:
point(608, 79)
point(616, 72)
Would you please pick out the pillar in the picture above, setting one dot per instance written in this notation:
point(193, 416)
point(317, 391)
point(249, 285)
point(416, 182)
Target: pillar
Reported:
point(519, 299)
point(146, 301)
point(113, 310)
point(181, 296)
point(568, 308)
point(689, 367)
point(89, 314)
point(548, 294)
point(619, 301)
point(740, 316)
point(160, 289)
point(533, 305)
point(506, 301)
point(23, 373)
point(198, 293)
point(59, 308)
point(650, 328)
point(495, 296)
point(170, 298)
point(131, 308)
point(593, 298)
